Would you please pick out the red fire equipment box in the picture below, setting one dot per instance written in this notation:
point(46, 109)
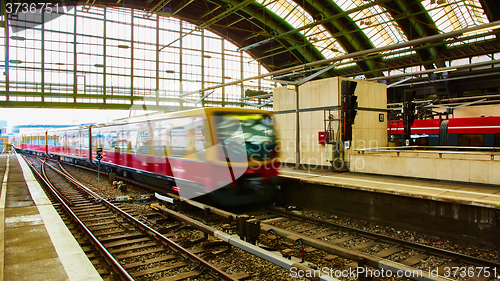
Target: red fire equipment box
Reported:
point(321, 138)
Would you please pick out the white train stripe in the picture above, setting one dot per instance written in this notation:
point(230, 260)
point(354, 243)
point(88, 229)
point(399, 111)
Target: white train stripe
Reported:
point(449, 128)
point(423, 128)
point(475, 127)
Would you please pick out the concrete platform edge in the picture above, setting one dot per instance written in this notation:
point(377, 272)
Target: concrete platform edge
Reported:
point(2, 219)
point(75, 263)
point(317, 179)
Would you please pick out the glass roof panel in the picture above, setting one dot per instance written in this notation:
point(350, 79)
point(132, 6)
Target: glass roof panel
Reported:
point(375, 22)
point(297, 17)
point(456, 14)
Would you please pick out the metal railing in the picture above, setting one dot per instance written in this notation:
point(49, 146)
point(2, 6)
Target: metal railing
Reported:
point(440, 150)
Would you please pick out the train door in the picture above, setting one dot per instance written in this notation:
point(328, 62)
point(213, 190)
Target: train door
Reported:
point(443, 133)
point(85, 142)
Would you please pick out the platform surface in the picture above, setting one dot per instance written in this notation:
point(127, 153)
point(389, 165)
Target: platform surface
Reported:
point(461, 193)
point(35, 242)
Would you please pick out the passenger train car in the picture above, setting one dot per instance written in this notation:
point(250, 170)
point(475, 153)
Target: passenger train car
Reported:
point(473, 132)
point(229, 153)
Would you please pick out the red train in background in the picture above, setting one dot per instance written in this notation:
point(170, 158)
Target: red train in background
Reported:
point(472, 132)
point(228, 153)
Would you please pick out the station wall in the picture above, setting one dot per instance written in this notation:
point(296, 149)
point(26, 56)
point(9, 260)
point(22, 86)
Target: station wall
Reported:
point(440, 165)
point(317, 96)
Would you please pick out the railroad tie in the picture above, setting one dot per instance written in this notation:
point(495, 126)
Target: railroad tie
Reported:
point(158, 269)
point(387, 252)
point(195, 251)
point(276, 220)
point(182, 276)
point(241, 276)
point(149, 261)
point(265, 217)
point(414, 259)
point(107, 233)
point(286, 225)
point(447, 267)
point(365, 245)
point(124, 236)
point(342, 240)
point(287, 253)
point(330, 257)
point(352, 265)
point(141, 253)
point(324, 234)
point(310, 250)
point(131, 248)
point(305, 229)
point(126, 242)
point(223, 266)
point(102, 227)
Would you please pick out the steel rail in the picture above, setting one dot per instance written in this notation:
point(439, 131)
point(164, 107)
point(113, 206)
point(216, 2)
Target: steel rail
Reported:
point(104, 252)
point(392, 240)
point(174, 246)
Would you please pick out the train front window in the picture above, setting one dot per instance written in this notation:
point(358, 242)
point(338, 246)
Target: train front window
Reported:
point(246, 136)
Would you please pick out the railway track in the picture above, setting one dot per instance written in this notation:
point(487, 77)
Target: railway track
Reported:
point(319, 244)
point(372, 249)
point(133, 250)
point(323, 244)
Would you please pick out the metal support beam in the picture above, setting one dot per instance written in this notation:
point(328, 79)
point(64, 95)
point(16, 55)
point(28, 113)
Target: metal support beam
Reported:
point(7, 58)
point(203, 68)
point(442, 69)
point(181, 6)
point(104, 58)
point(157, 61)
point(215, 19)
point(297, 129)
point(310, 77)
point(415, 42)
point(132, 58)
point(223, 71)
point(399, 82)
point(75, 59)
point(43, 55)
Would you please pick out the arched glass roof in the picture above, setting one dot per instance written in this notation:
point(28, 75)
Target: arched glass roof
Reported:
point(377, 23)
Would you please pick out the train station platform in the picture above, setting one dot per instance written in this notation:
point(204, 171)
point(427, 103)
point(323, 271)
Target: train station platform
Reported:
point(445, 191)
point(464, 211)
point(35, 242)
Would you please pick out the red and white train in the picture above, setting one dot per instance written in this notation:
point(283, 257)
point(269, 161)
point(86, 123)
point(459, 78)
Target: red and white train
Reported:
point(472, 132)
point(228, 153)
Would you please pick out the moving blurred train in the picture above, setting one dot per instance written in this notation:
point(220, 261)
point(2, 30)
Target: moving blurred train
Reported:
point(227, 153)
point(473, 132)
